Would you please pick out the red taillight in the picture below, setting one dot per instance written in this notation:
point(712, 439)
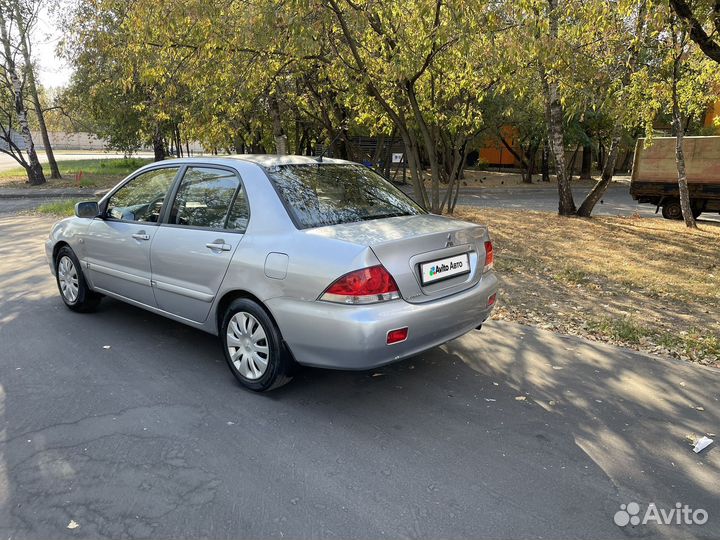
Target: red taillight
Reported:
point(491, 299)
point(489, 256)
point(365, 286)
point(396, 336)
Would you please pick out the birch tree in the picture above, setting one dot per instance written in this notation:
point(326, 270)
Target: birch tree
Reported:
point(24, 23)
point(15, 86)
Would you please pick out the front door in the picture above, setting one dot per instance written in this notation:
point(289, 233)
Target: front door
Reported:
point(192, 249)
point(118, 244)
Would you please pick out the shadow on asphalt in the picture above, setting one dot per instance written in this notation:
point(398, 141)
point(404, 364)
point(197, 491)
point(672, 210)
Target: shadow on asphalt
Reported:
point(154, 437)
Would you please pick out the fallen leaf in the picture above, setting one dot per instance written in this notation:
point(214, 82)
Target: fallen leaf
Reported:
point(699, 408)
point(106, 347)
point(490, 399)
point(520, 398)
point(557, 367)
point(73, 524)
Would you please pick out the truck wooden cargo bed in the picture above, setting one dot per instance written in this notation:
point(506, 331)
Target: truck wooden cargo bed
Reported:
point(655, 179)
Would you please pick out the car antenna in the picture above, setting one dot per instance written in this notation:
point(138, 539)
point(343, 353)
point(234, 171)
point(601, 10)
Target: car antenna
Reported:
point(340, 130)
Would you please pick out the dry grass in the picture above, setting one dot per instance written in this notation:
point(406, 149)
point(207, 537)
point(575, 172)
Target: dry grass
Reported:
point(646, 283)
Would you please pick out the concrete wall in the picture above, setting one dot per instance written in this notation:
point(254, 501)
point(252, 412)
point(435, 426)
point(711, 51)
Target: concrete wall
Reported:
point(61, 140)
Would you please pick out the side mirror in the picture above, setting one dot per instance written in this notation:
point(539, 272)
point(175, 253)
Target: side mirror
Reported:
point(87, 209)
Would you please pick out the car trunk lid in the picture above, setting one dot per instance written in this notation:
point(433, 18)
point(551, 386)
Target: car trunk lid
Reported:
point(408, 245)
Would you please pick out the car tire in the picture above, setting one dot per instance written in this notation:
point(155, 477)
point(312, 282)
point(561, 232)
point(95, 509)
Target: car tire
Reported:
point(672, 210)
point(253, 347)
point(71, 283)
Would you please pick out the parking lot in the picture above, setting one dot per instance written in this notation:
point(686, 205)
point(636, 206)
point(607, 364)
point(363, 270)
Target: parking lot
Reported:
point(130, 425)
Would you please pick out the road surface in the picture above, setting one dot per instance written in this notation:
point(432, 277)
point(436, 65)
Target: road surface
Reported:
point(616, 201)
point(129, 425)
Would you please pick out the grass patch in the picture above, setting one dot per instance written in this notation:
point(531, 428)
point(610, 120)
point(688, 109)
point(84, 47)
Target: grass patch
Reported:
point(88, 173)
point(62, 208)
point(646, 283)
point(622, 329)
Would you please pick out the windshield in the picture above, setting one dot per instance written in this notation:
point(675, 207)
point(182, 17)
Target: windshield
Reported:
point(329, 194)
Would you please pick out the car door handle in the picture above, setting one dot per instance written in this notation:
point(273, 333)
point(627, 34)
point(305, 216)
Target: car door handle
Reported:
point(218, 245)
point(141, 236)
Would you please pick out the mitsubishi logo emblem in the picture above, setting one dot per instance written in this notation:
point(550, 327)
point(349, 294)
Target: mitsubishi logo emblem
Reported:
point(449, 242)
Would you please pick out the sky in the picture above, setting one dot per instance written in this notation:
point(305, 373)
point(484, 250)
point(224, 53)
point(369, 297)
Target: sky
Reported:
point(52, 72)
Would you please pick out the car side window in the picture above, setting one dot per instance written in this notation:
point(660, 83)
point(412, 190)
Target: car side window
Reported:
point(143, 197)
point(204, 197)
point(239, 213)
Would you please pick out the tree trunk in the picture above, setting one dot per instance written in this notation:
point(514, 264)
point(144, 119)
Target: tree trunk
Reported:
point(678, 124)
point(35, 171)
point(32, 87)
point(586, 167)
point(281, 139)
point(178, 142)
point(545, 165)
point(158, 145)
point(600, 187)
point(610, 161)
point(554, 112)
point(430, 148)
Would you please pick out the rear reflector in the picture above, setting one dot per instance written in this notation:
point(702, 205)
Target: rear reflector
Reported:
point(491, 299)
point(396, 336)
point(365, 286)
point(489, 256)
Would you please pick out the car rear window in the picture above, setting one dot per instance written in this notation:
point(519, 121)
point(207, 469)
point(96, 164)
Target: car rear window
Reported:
point(322, 194)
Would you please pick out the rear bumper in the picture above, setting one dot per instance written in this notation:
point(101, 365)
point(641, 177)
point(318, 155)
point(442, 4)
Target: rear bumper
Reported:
point(337, 336)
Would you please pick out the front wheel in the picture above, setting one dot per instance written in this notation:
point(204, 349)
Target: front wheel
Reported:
point(253, 347)
point(71, 283)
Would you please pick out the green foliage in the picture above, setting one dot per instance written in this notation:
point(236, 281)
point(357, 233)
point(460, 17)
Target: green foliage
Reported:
point(439, 74)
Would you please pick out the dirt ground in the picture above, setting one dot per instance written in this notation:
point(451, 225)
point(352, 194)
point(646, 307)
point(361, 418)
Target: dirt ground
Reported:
point(648, 284)
point(511, 179)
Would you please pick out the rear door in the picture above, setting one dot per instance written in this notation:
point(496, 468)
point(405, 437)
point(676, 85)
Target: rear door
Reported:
point(193, 247)
point(117, 252)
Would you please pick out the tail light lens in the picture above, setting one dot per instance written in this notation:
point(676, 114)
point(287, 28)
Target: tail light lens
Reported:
point(365, 286)
point(489, 256)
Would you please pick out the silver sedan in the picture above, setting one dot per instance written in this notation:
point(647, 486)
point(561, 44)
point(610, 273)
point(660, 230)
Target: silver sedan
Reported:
point(289, 260)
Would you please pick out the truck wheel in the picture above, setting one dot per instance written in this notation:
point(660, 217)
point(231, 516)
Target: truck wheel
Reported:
point(672, 210)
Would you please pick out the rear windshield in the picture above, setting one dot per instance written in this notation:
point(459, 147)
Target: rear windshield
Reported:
point(328, 194)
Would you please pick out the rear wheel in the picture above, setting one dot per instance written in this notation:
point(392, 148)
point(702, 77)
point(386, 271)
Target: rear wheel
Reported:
point(253, 347)
point(71, 283)
point(672, 210)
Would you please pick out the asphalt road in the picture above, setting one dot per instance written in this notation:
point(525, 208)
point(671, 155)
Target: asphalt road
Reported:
point(616, 201)
point(153, 438)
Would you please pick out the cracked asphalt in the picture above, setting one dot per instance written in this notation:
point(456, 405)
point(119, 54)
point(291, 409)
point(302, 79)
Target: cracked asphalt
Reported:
point(153, 438)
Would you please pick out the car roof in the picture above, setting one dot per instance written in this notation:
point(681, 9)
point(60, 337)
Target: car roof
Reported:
point(263, 160)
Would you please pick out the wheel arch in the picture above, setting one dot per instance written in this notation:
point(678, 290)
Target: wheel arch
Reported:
point(57, 247)
point(231, 296)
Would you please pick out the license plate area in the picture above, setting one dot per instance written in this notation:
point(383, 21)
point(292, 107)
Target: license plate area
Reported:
point(444, 268)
